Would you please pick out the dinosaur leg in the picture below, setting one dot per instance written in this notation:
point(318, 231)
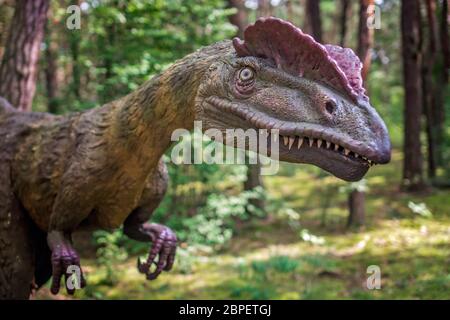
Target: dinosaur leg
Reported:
point(65, 262)
point(67, 214)
point(136, 226)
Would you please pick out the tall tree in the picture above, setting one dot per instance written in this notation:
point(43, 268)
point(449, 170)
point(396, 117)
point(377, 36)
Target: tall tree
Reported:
point(343, 17)
point(74, 39)
point(357, 206)
point(411, 52)
point(290, 10)
point(253, 170)
point(6, 7)
point(356, 201)
point(444, 39)
point(313, 20)
point(443, 72)
point(18, 72)
point(365, 37)
point(264, 8)
point(51, 67)
point(239, 19)
point(18, 69)
point(431, 98)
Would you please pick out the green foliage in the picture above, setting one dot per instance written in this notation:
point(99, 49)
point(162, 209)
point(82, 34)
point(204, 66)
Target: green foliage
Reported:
point(122, 44)
point(130, 41)
point(214, 223)
point(110, 252)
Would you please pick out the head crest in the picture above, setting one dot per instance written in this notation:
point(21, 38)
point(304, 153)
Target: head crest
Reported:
point(299, 54)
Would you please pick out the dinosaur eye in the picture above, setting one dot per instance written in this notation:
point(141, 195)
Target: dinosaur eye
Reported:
point(246, 74)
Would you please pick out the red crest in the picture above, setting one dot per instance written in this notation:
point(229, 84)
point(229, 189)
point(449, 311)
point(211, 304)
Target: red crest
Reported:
point(299, 54)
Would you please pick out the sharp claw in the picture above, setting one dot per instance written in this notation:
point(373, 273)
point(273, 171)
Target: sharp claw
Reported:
point(143, 267)
point(163, 249)
point(151, 276)
point(171, 259)
point(63, 256)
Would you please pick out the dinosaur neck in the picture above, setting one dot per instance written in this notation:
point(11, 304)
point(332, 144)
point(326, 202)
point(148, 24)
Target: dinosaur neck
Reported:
point(147, 117)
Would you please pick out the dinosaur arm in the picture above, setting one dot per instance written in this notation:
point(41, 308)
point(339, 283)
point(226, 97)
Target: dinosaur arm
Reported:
point(164, 242)
point(137, 227)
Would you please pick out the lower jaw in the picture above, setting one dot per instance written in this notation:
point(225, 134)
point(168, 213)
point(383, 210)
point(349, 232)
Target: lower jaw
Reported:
point(335, 163)
point(341, 168)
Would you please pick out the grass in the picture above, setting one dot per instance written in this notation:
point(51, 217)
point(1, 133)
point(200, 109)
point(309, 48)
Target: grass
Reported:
point(270, 260)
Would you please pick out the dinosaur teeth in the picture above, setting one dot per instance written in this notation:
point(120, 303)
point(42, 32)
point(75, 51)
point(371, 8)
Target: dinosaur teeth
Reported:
point(319, 143)
point(291, 142)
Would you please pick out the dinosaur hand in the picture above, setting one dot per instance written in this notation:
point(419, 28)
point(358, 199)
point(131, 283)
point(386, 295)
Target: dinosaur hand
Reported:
point(164, 246)
point(65, 261)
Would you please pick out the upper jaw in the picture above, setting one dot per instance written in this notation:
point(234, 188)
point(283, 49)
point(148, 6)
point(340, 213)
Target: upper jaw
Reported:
point(377, 152)
point(341, 166)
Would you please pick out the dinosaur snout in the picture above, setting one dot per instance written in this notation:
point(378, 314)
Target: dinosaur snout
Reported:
point(382, 141)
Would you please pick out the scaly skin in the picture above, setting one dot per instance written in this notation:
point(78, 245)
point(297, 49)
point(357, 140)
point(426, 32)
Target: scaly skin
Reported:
point(102, 168)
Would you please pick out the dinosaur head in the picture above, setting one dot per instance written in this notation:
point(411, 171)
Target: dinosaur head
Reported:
point(281, 78)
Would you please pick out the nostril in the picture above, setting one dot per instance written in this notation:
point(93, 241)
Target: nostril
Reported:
point(330, 106)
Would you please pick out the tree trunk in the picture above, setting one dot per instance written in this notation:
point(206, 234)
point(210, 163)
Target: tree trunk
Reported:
point(253, 170)
point(432, 101)
point(411, 51)
point(74, 44)
point(356, 199)
point(365, 38)
point(445, 48)
point(253, 181)
point(356, 204)
point(74, 37)
point(313, 20)
point(442, 80)
point(263, 8)
point(239, 19)
point(344, 14)
point(24, 254)
point(6, 11)
point(290, 11)
point(18, 69)
point(51, 69)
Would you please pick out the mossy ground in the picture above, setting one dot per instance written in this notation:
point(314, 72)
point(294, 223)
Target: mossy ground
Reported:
point(269, 260)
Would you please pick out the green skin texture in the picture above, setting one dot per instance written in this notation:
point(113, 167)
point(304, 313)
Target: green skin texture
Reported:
point(102, 168)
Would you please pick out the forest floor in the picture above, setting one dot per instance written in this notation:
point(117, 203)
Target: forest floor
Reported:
point(268, 259)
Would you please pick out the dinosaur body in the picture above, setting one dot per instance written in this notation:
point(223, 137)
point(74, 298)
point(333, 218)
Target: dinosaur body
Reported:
point(102, 168)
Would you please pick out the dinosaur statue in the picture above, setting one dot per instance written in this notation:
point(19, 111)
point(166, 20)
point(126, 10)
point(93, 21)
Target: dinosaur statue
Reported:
point(102, 168)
